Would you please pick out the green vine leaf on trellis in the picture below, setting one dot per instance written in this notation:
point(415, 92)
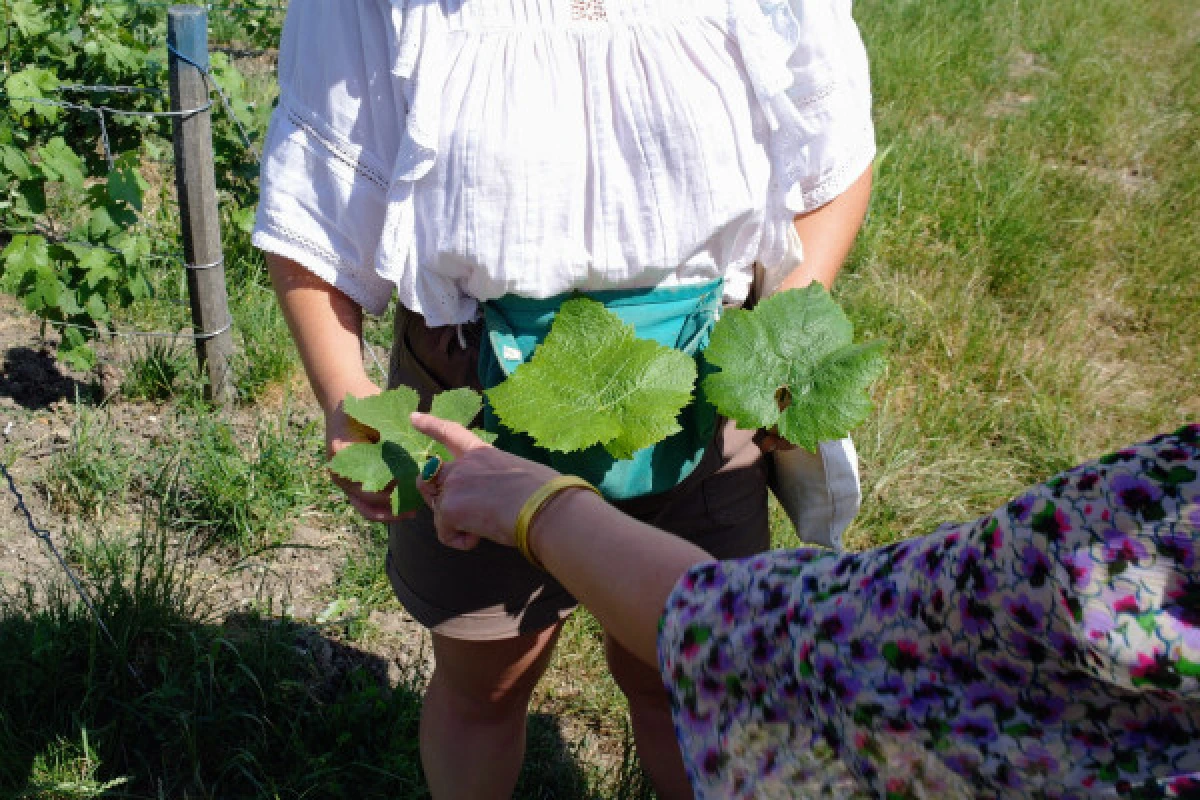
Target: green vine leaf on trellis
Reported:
point(59, 163)
point(32, 83)
point(592, 381)
point(397, 457)
point(791, 363)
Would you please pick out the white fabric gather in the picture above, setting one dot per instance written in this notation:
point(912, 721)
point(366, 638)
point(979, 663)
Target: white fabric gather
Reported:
point(454, 151)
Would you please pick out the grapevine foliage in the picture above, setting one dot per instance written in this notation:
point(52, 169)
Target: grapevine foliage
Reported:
point(396, 458)
point(792, 363)
point(74, 241)
point(592, 381)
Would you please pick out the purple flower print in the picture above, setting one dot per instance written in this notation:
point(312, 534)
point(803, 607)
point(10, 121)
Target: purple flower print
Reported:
point(1044, 707)
point(1067, 648)
point(1037, 760)
point(912, 603)
point(976, 727)
point(839, 681)
point(1079, 565)
point(1008, 673)
point(985, 694)
point(732, 604)
point(1050, 656)
point(1135, 493)
point(1035, 564)
point(973, 575)
point(976, 617)
point(1028, 647)
point(1120, 546)
point(965, 763)
point(930, 561)
point(836, 626)
point(886, 600)
point(863, 650)
point(1051, 521)
point(926, 697)
point(1179, 548)
point(1019, 509)
point(1025, 611)
point(1181, 621)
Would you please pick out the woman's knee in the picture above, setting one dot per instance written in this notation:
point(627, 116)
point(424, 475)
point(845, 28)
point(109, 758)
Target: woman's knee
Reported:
point(491, 679)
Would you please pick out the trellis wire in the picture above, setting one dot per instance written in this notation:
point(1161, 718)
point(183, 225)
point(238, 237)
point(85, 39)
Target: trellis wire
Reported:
point(214, 86)
point(195, 337)
point(100, 111)
point(44, 536)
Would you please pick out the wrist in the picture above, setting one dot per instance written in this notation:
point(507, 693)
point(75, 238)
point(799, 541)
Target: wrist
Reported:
point(555, 515)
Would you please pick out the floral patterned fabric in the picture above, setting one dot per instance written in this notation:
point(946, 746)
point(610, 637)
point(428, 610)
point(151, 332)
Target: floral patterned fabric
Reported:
point(1049, 650)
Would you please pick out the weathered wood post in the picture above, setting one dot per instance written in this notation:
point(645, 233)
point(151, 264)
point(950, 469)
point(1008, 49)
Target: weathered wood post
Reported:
point(196, 184)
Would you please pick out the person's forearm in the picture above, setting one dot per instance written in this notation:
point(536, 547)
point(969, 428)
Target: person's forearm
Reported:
point(828, 234)
point(327, 328)
point(618, 568)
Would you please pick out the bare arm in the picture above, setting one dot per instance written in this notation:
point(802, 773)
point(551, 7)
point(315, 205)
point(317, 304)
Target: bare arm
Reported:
point(619, 568)
point(828, 234)
point(327, 328)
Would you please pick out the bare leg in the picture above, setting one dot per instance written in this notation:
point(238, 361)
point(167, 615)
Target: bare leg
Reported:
point(653, 729)
point(473, 718)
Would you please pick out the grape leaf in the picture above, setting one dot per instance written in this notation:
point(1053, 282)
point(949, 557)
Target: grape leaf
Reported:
point(401, 451)
point(60, 163)
point(592, 381)
point(32, 83)
point(792, 363)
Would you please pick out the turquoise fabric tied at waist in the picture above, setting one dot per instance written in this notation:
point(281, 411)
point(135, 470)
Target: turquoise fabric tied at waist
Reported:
point(680, 317)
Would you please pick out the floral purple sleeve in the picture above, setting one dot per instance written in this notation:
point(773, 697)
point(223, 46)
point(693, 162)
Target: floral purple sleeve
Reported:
point(742, 714)
point(1049, 649)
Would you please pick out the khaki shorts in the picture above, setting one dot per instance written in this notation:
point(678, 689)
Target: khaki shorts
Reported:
point(491, 592)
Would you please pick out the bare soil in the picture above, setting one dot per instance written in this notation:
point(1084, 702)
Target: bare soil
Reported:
point(38, 407)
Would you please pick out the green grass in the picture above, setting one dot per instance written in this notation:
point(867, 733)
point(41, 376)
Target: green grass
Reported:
point(236, 489)
point(1030, 249)
point(90, 475)
point(1029, 256)
point(156, 369)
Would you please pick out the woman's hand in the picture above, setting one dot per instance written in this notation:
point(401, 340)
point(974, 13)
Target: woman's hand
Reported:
point(479, 494)
point(340, 432)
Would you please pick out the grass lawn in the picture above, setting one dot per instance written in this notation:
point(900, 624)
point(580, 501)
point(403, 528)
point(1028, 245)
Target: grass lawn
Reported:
point(1030, 257)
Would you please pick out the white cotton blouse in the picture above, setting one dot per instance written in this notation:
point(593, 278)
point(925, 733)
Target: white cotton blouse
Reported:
point(455, 151)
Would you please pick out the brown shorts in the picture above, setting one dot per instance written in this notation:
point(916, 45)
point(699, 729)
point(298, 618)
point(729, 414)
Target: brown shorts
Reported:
point(491, 592)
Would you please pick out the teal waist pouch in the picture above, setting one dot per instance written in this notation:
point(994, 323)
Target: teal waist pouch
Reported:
point(680, 317)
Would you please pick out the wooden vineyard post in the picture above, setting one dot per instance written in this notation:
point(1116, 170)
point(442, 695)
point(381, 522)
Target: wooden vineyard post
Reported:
point(196, 184)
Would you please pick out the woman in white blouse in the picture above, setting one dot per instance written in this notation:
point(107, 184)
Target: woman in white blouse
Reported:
point(458, 152)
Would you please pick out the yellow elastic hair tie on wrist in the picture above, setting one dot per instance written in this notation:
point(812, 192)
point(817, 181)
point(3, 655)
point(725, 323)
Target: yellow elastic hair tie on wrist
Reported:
point(534, 504)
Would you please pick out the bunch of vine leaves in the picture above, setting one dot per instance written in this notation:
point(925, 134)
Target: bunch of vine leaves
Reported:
point(75, 239)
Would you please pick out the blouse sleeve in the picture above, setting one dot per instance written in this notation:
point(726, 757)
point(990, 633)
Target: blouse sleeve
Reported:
point(808, 68)
point(328, 155)
point(743, 717)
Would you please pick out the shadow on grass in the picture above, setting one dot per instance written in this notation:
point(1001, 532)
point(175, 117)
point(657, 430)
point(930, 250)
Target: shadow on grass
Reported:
point(251, 707)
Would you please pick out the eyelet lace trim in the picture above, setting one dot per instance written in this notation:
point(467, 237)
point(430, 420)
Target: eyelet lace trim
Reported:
point(343, 155)
point(588, 11)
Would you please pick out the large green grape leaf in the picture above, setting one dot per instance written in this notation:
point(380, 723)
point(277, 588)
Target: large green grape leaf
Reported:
point(592, 381)
point(792, 363)
point(401, 451)
point(60, 163)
